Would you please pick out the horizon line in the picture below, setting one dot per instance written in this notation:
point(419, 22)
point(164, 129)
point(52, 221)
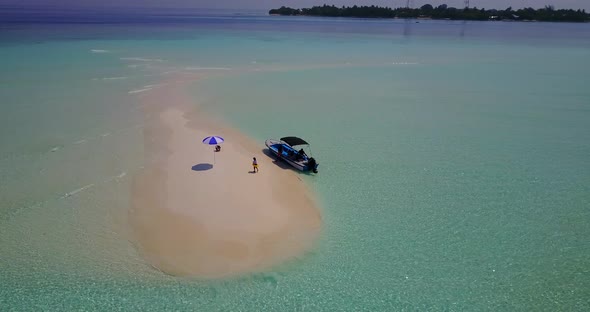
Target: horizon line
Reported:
point(151, 7)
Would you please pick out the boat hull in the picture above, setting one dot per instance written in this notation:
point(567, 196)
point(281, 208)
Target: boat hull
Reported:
point(288, 155)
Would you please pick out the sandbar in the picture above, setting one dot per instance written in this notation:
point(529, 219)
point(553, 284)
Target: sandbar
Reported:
point(203, 214)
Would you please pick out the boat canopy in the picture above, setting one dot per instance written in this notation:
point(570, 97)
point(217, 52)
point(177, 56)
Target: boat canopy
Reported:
point(291, 140)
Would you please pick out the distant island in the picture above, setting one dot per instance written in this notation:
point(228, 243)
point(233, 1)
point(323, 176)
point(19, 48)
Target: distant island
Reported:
point(427, 11)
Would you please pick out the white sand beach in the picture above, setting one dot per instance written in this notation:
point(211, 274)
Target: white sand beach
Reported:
point(194, 217)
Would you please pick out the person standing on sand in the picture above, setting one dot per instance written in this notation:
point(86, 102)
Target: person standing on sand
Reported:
point(254, 164)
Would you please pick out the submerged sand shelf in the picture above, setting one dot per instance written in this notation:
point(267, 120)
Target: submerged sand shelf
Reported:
point(193, 216)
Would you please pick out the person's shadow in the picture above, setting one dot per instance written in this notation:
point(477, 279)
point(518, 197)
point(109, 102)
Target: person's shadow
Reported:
point(202, 167)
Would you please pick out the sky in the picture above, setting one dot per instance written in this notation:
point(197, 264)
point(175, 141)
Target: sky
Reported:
point(270, 4)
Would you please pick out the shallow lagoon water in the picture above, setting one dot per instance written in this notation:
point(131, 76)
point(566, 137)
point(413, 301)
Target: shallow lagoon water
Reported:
point(453, 160)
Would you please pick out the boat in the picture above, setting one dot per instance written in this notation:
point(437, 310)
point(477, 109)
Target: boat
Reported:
point(297, 158)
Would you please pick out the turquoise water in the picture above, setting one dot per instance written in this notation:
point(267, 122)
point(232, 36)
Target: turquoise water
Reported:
point(454, 169)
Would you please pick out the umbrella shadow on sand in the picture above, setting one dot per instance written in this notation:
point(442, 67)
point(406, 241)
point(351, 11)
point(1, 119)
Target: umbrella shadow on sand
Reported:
point(202, 167)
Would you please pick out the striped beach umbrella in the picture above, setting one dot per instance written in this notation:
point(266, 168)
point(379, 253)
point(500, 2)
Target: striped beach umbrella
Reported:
point(213, 140)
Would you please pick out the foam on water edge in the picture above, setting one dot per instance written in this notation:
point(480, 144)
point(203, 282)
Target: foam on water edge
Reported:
point(139, 90)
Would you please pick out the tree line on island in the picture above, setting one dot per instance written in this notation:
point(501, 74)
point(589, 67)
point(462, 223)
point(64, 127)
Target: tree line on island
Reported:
point(546, 14)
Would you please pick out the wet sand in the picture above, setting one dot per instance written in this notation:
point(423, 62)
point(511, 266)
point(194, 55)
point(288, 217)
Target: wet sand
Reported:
point(196, 216)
